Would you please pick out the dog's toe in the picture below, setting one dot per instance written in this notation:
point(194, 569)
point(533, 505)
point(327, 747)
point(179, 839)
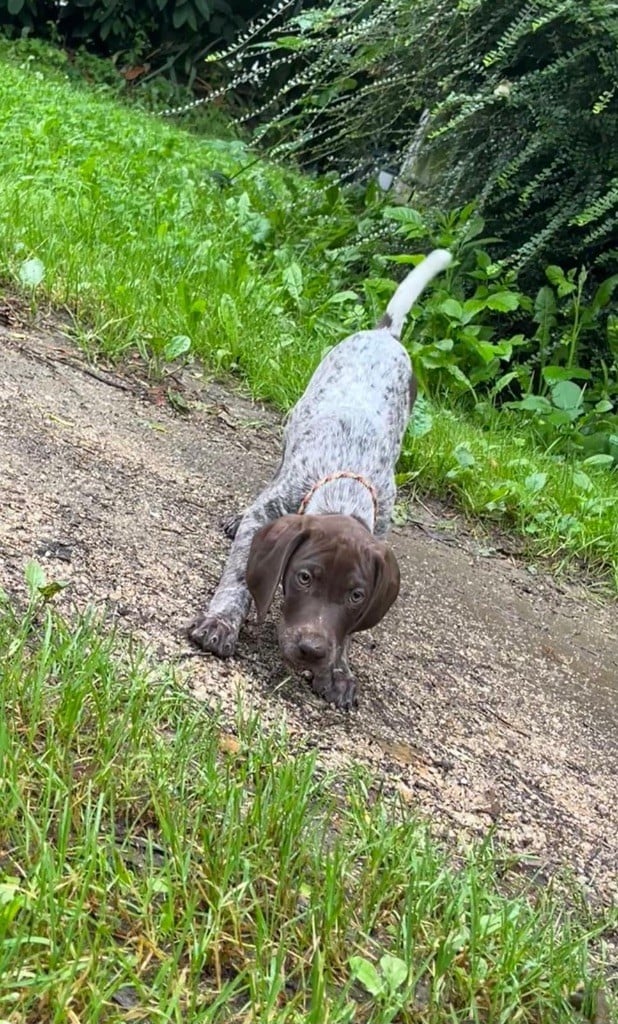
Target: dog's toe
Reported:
point(213, 634)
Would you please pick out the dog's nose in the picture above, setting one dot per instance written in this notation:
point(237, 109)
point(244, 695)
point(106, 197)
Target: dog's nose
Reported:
point(312, 648)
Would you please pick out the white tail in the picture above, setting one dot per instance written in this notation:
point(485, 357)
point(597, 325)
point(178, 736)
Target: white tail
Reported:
point(410, 289)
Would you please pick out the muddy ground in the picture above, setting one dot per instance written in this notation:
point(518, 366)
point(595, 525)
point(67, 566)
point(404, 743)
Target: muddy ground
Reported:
point(489, 695)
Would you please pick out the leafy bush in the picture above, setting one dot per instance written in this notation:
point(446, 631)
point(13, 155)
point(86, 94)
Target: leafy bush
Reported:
point(477, 335)
point(169, 36)
point(472, 100)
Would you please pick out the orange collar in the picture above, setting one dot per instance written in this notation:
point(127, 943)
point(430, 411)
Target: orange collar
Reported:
point(343, 474)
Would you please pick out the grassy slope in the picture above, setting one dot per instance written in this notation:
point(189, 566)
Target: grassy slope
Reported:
point(154, 868)
point(139, 237)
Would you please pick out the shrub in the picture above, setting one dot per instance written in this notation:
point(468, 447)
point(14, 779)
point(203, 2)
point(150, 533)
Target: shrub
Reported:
point(172, 37)
point(473, 100)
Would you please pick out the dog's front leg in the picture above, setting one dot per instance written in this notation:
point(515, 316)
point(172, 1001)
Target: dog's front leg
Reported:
point(216, 629)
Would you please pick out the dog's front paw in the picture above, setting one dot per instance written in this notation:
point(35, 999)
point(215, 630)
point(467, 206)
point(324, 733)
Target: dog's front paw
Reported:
point(338, 688)
point(213, 633)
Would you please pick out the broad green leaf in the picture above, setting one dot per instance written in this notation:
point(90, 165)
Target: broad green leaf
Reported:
point(198, 307)
point(180, 15)
point(557, 277)
point(459, 375)
point(474, 227)
point(293, 280)
point(487, 351)
point(562, 417)
point(464, 456)
point(535, 482)
point(364, 971)
point(604, 292)
point(340, 297)
point(395, 971)
point(35, 577)
point(545, 309)
point(533, 403)
point(258, 227)
point(504, 381)
point(503, 302)
point(604, 406)
point(405, 215)
point(567, 395)
point(50, 590)
point(471, 307)
point(555, 373)
point(452, 308)
point(601, 459)
point(582, 480)
point(176, 346)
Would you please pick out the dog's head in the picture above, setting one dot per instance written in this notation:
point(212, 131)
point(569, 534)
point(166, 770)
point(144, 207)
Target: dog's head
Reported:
point(337, 579)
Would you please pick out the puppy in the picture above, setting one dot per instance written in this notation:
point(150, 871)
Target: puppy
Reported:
point(319, 527)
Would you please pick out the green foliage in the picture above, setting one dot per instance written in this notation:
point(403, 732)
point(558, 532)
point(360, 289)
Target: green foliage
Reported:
point(491, 465)
point(156, 867)
point(478, 336)
point(519, 109)
point(170, 37)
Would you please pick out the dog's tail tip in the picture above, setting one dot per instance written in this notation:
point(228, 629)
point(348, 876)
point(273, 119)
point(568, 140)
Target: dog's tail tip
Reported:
point(411, 287)
point(440, 259)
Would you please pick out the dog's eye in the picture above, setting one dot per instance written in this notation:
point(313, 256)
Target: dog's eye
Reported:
point(357, 595)
point(303, 577)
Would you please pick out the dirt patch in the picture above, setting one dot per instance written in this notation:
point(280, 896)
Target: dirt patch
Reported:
point(489, 696)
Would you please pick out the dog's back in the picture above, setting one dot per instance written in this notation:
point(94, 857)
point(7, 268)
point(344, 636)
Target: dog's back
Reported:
point(369, 375)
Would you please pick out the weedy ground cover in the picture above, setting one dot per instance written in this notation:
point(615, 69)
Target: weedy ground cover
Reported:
point(155, 867)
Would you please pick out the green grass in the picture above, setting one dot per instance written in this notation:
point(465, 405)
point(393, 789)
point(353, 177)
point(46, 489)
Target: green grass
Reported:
point(153, 868)
point(150, 234)
point(565, 512)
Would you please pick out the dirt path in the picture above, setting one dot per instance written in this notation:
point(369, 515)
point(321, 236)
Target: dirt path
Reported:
point(489, 695)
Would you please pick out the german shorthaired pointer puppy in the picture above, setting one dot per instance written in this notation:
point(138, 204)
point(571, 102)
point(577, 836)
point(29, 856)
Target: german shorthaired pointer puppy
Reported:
point(318, 527)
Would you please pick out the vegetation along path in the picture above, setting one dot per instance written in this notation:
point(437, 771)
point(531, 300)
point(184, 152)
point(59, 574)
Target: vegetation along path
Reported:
point(489, 695)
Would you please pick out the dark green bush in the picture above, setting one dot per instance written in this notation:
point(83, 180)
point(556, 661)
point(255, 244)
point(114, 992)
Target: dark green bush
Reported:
point(515, 107)
point(172, 36)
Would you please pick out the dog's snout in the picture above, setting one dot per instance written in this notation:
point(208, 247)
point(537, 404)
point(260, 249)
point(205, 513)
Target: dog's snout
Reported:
point(312, 647)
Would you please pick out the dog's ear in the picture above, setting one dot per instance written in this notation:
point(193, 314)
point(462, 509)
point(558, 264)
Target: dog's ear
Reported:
point(271, 550)
point(385, 588)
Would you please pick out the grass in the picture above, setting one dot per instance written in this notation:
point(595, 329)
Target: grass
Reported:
point(154, 868)
point(565, 512)
point(162, 242)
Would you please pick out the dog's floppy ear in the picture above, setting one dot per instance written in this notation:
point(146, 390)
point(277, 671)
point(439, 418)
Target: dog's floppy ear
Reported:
point(385, 589)
point(271, 550)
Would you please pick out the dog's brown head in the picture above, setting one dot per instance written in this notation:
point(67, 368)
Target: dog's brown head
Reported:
point(337, 579)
